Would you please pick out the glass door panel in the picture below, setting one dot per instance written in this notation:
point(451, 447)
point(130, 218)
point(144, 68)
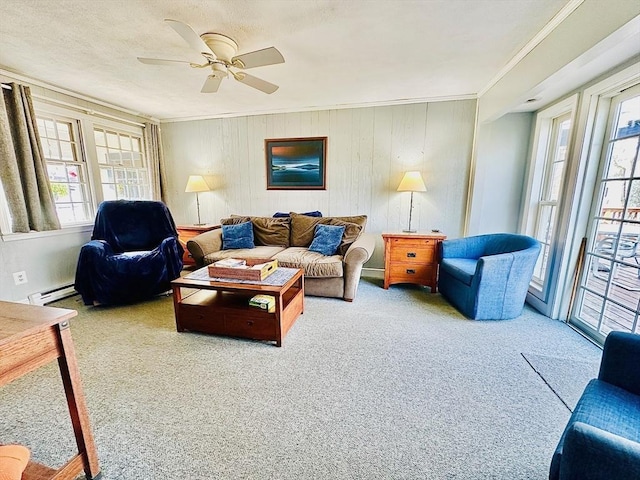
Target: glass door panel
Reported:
point(609, 293)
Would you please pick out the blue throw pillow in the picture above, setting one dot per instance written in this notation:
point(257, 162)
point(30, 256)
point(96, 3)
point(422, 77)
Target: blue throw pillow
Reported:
point(239, 235)
point(326, 239)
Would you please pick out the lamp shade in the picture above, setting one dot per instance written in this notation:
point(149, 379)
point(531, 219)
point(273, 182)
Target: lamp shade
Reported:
point(196, 184)
point(412, 182)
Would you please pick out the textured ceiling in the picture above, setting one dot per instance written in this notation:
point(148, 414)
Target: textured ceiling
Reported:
point(337, 53)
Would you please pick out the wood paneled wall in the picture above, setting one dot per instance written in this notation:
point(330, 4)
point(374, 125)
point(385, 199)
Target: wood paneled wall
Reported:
point(368, 150)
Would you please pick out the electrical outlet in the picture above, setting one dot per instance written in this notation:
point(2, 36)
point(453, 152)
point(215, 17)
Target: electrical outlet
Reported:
point(20, 277)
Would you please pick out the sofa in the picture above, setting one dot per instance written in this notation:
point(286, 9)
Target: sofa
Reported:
point(288, 239)
point(486, 277)
point(601, 440)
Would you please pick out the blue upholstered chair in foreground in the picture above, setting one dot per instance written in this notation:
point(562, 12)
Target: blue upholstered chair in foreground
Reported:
point(602, 438)
point(133, 254)
point(486, 277)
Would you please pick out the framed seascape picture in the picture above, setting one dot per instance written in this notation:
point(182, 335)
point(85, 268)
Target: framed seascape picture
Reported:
point(296, 163)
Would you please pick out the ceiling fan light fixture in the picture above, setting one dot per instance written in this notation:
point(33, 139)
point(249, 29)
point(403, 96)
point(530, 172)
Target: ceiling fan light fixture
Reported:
point(219, 70)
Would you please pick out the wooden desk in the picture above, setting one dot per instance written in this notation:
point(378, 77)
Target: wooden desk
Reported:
point(186, 233)
point(31, 337)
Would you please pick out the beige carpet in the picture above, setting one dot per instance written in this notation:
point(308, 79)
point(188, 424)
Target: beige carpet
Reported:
point(396, 385)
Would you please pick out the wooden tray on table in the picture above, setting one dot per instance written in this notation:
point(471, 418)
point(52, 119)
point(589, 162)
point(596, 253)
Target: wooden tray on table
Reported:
point(254, 269)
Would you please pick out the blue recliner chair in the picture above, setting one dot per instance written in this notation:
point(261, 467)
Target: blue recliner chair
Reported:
point(486, 277)
point(133, 254)
point(602, 438)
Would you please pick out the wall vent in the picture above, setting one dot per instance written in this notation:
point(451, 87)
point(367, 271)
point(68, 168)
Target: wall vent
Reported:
point(49, 296)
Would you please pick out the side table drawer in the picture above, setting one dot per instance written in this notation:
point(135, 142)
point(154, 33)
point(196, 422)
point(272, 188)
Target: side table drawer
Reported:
point(412, 253)
point(410, 273)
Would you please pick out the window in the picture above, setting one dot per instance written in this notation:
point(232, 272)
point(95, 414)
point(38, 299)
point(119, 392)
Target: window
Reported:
point(123, 170)
point(66, 169)
point(550, 193)
point(546, 194)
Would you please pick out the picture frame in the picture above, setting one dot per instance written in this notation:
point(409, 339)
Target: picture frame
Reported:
point(296, 163)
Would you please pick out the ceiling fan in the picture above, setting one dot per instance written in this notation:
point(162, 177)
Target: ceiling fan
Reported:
point(219, 52)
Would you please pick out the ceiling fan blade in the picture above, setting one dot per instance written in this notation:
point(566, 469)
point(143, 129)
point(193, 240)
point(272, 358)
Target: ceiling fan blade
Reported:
point(160, 61)
point(259, 58)
point(191, 37)
point(255, 82)
point(211, 84)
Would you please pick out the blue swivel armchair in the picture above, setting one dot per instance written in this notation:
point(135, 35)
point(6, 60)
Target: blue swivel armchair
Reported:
point(486, 277)
point(133, 254)
point(602, 438)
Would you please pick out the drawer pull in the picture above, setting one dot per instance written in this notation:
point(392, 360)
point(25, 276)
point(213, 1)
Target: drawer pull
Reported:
point(411, 271)
point(411, 255)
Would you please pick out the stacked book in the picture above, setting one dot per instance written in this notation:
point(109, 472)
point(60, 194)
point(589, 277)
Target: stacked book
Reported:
point(264, 302)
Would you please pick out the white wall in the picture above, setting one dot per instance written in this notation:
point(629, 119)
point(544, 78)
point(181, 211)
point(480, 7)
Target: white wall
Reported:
point(368, 150)
point(48, 259)
point(501, 154)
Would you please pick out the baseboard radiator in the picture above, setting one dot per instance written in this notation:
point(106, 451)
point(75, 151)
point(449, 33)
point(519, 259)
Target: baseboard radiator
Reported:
point(49, 296)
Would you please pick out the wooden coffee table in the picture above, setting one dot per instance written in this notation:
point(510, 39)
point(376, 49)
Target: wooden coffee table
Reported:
point(221, 306)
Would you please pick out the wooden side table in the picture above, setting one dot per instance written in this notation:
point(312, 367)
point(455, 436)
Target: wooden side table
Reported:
point(186, 233)
point(411, 258)
point(31, 337)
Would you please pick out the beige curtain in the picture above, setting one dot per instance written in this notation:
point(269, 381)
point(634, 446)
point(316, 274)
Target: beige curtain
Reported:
point(155, 157)
point(23, 169)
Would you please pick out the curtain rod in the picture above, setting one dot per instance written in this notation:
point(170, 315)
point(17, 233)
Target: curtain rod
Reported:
point(86, 110)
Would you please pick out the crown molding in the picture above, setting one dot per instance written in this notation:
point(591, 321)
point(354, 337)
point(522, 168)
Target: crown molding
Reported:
point(559, 17)
point(404, 101)
point(39, 83)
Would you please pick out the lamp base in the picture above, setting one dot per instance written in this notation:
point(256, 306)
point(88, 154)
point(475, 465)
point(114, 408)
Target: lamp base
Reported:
point(199, 224)
point(409, 231)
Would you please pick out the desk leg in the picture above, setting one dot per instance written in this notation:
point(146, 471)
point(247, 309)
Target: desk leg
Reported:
point(76, 402)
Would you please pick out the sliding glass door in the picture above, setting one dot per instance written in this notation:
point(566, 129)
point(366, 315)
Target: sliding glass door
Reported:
point(609, 292)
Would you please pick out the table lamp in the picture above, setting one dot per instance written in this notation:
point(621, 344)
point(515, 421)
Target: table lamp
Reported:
point(197, 184)
point(411, 182)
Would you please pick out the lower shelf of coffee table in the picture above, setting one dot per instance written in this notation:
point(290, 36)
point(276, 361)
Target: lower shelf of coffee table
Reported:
point(229, 314)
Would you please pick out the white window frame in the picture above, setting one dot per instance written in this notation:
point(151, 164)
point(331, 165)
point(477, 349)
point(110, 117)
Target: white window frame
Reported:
point(127, 170)
point(80, 161)
point(605, 116)
point(590, 129)
point(86, 120)
point(541, 295)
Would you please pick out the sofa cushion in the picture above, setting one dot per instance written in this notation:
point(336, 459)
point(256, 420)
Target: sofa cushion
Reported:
point(461, 269)
point(257, 252)
point(266, 230)
point(237, 236)
point(314, 264)
point(609, 408)
point(326, 239)
point(303, 229)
